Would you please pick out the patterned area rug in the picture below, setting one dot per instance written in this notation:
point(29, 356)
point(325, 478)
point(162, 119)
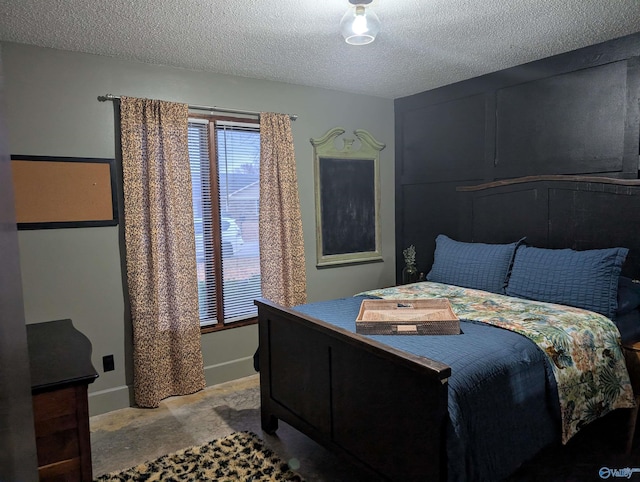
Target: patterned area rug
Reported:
point(241, 456)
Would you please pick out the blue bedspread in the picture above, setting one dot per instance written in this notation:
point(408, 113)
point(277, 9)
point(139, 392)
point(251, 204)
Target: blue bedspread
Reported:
point(503, 400)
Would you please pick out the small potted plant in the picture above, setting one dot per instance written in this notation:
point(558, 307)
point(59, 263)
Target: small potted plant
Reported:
point(410, 271)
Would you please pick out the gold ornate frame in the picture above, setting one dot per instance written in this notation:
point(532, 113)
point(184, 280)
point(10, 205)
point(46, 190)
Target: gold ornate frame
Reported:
point(347, 195)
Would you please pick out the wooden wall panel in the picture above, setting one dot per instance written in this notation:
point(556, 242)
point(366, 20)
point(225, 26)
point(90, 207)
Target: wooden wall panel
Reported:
point(416, 229)
point(570, 212)
point(574, 113)
point(448, 138)
point(566, 124)
point(523, 213)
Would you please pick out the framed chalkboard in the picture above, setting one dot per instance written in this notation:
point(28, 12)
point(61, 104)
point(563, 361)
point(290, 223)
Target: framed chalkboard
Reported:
point(347, 190)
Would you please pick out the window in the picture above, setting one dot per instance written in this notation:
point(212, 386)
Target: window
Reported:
point(225, 170)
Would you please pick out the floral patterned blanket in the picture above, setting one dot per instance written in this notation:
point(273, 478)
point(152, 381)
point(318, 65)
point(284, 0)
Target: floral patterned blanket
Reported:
point(582, 346)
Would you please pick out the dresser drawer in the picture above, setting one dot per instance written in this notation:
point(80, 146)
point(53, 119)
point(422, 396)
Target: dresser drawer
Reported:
point(65, 471)
point(61, 428)
point(54, 404)
point(58, 446)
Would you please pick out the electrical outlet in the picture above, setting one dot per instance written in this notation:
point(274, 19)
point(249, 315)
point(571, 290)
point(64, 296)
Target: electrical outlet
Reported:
point(108, 363)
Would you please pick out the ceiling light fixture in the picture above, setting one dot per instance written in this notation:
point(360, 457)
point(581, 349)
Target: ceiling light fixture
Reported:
point(359, 26)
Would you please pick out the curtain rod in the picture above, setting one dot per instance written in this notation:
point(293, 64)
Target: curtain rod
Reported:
point(293, 117)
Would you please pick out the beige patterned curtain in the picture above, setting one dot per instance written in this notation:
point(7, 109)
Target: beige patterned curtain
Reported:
point(160, 251)
point(282, 265)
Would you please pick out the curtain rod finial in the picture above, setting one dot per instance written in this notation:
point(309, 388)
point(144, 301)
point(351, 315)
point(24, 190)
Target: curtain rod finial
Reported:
point(106, 97)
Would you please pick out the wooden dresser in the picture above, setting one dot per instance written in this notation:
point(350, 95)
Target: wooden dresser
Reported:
point(61, 370)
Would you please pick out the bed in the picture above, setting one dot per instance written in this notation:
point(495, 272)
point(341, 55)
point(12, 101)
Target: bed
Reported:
point(395, 405)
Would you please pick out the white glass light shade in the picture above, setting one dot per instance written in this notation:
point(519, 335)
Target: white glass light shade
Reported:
point(359, 25)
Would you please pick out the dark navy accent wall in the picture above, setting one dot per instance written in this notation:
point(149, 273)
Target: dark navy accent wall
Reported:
point(574, 113)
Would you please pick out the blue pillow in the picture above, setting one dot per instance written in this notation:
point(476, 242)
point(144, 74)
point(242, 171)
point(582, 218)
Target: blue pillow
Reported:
point(584, 279)
point(472, 265)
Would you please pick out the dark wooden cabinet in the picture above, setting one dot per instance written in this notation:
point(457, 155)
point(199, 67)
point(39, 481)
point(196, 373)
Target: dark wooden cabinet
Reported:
point(61, 370)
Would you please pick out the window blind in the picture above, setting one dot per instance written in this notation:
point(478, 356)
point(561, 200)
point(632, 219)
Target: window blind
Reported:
point(238, 152)
point(233, 239)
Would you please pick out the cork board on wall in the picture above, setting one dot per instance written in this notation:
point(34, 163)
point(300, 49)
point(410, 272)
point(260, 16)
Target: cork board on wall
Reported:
point(63, 192)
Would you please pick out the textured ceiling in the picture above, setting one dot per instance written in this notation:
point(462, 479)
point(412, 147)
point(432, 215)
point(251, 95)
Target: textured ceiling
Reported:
point(422, 44)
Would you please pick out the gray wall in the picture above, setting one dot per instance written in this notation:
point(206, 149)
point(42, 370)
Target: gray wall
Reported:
point(52, 110)
point(18, 460)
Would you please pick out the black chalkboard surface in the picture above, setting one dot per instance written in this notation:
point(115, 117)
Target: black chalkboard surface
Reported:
point(347, 191)
point(347, 205)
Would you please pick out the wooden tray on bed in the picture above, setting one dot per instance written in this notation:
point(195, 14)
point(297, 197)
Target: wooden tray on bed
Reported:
point(407, 317)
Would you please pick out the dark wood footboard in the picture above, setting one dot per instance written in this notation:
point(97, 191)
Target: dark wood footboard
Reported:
point(381, 408)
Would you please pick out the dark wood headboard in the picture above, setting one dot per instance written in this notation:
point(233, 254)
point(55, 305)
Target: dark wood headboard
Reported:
point(578, 212)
